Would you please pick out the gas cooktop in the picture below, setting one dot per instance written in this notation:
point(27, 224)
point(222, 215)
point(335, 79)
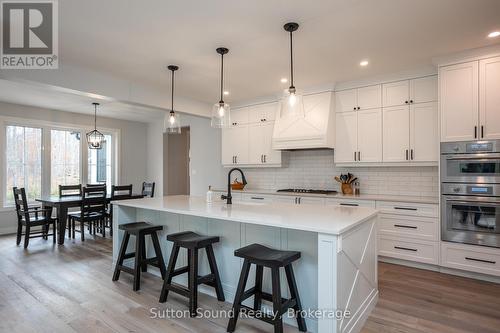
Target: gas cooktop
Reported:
point(303, 190)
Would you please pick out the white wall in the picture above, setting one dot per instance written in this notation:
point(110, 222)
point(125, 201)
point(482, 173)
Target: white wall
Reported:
point(205, 152)
point(132, 147)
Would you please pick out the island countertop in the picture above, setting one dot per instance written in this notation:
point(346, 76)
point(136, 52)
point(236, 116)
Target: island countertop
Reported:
point(321, 219)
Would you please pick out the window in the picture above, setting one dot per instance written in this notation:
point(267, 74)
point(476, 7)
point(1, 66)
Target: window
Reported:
point(65, 159)
point(100, 164)
point(23, 161)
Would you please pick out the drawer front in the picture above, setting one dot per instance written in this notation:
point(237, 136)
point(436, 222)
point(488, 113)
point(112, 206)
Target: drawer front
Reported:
point(409, 249)
point(353, 203)
point(472, 258)
point(425, 228)
point(404, 208)
point(256, 198)
point(311, 201)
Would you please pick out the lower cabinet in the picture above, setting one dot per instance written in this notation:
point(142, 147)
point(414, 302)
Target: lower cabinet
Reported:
point(409, 249)
point(478, 259)
point(351, 203)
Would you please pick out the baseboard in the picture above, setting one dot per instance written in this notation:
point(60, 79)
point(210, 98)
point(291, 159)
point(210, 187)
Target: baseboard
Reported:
point(440, 269)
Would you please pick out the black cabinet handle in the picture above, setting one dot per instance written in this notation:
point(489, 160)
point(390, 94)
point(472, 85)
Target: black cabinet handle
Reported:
point(411, 101)
point(405, 208)
point(257, 198)
point(411, 154)
point(475, 132)
point(406, 154)
point(405, 248)
point(481, 260)
point(265, 158)
point(349, 204)
point(296, 201)
point(406, 102)
point(354, 108)
point(359, 156)
point(359, 108)
point(355, 156)
point(405, 226)
point(482, 131)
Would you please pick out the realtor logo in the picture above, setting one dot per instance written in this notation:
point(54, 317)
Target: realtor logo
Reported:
point(29, 35)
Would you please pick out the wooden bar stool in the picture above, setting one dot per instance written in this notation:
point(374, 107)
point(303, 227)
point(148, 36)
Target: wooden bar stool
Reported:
point(139, 230)
point(192, 242)
point(263, 256)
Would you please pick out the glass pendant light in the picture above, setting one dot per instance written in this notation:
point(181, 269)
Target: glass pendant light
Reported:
point(172, 122)
point(291, 104)
point(95, 139)
point(221, 112)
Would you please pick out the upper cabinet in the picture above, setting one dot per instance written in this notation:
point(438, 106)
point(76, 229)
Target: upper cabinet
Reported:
point(420, 90)
point(489, 98)
point(459, 86)
point(359, 99)
point(470, 100)
point(248, 141)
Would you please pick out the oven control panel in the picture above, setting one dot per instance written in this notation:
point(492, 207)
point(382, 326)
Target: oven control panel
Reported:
point(486, 190)
point(470, 147)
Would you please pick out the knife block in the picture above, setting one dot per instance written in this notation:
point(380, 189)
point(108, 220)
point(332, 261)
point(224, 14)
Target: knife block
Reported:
point(346, 188)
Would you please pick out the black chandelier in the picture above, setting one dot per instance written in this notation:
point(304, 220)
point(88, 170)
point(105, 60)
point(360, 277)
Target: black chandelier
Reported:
point(95, 139)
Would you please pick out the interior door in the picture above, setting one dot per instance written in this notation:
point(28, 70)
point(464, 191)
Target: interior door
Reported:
point(424, 132)
point(396, 134)
point(396, 93)
point(370, 135)
point(346, 137)
point(458, 88)
point(489, 98)
point(424, 89)
point(370, 97)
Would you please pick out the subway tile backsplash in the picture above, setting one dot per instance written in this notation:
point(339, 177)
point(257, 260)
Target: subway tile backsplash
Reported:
point(315, 169)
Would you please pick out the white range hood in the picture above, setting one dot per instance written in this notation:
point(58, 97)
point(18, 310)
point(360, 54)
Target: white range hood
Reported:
point(313, 130)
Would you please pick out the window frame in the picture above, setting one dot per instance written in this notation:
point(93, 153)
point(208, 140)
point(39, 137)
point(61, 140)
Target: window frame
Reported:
point(46, 127)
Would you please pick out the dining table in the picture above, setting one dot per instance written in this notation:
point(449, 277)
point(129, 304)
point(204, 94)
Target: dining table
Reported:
point(62, 204)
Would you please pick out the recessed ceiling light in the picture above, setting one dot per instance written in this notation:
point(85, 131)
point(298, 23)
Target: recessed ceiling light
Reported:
point(494, 34)
point(364, 63)
point(284, 80)
point(226, 92)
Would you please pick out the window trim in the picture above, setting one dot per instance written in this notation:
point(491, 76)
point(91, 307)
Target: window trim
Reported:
point(46, 127)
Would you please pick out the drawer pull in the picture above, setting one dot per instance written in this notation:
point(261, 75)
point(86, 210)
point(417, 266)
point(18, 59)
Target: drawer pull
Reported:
point(405, 226)
point(349, 204)
point(405, 248)
point(257, 198)
point(481, 260)
point(405, 208)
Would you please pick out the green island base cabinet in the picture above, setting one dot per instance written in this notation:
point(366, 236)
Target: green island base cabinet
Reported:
point(337, 270)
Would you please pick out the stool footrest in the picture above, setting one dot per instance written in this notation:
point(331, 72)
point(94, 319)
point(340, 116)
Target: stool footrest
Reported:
point(177, 288)
point(180, 271)
point(206, 279)
point(129, 255)
point(269, 297)
point(126, 269)
point(247, 294)
point(260, 314)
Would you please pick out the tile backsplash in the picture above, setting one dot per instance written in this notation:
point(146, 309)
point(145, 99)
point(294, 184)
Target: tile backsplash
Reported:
point(315, 169)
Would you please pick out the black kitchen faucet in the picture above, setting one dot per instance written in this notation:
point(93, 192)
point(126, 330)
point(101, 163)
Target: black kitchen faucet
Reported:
point(228, 197)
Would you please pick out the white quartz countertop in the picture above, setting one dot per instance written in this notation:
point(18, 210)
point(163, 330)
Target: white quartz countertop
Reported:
point(374, 197)
point(322, 219)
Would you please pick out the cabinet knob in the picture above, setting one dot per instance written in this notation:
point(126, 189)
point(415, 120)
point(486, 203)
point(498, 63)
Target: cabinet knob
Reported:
point(406, 102)
point(354, 108)
point(411, 101)
point(359, 108)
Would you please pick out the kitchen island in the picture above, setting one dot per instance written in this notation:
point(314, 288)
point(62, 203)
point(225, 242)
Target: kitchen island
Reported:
point(336, 275)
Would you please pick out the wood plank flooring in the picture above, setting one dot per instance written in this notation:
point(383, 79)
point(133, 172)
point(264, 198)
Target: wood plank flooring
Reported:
point(69, 289)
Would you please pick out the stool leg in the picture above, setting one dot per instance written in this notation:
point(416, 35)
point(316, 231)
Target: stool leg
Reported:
point(237, 298)
point(193, 281)
point(294, 293)
point(27, 236)
point(121, 254)
point(257, 301)
point(278, 322)
point(137, 265)
point(170, 271)
point(144, 265)
point(215, 272)
point(158, 254)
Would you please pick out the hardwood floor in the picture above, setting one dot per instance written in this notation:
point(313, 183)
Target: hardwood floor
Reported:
point(69, 289)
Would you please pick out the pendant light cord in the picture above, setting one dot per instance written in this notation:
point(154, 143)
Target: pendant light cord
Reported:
point(221, 78)
point(172, 108)
point(95, 117)
point(291, 59)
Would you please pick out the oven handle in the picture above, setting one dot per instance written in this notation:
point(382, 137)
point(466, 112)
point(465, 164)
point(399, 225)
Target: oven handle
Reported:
point(476, 157)
point(472, 199)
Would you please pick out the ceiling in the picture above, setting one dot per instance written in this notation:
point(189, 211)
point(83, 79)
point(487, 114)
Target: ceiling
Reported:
point(56, 98)
point(136, 40)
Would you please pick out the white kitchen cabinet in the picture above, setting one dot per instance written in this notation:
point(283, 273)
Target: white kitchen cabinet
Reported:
point(346, 133)
point(235, 145)
point(424, 132)
point(260, 145)
point(240, 116)
point(359, 99)
point(350, 202)
point(459, 105)
point(263, 112)
point(414, 91)
point(396, 137)
point(359, 136)
point(489, 98)
point(369, 135)
point(299, 200)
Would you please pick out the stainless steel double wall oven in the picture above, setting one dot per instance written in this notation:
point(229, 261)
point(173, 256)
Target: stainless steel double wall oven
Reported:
point(470, 192)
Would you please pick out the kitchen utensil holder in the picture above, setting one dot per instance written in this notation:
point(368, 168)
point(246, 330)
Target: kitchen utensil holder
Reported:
point(346, 188)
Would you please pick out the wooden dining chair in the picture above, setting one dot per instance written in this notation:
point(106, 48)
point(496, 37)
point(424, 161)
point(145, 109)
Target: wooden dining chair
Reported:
point(69, 191)
point(148, 189)
point(96, 185)
point(118, 192)
point(92, 211)
point(30, 217)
